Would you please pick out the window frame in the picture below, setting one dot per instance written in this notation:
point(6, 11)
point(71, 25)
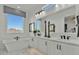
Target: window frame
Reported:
point(5, 14)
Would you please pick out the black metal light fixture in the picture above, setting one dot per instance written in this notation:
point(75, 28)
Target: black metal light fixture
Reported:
point(48, 29)
point(39, 13)
point(45, 29)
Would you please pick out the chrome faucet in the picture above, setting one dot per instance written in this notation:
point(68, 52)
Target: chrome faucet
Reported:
point(68, 37)
point(65, 37)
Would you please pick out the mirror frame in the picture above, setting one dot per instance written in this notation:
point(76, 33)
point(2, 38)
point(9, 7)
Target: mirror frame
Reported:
point(52, 27)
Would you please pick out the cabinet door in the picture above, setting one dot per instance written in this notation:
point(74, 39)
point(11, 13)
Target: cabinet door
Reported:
point(42, 45)
point(70, 49)
point(31, 42)
point(34, 42)
point(53, 48)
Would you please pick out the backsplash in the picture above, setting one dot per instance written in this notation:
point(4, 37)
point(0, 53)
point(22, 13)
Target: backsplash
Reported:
point(58, 35)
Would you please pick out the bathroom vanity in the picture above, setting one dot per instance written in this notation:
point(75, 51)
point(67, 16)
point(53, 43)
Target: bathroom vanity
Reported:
point(55, 46)
point(64, 24)
point(57, 35)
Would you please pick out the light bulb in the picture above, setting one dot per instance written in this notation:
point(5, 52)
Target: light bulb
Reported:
point(18, 7)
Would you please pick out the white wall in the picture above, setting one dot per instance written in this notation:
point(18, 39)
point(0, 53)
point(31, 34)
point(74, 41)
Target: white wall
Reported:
point(3, 27)
point(2, 20)
point(58, 19)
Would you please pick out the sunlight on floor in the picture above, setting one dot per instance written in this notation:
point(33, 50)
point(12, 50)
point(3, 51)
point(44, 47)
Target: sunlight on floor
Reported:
point(25, 51)
point(33, 51)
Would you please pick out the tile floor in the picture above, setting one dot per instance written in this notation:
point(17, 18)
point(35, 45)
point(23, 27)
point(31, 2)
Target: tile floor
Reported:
point(29, 51)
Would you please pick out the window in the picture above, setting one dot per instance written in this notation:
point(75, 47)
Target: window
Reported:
point(37, 25)
point(31, 27)
point(14, 23)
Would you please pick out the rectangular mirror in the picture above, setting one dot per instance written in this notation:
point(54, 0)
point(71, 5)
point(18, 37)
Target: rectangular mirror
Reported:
point(31, 27)
point(69, 24)
point(52, 27)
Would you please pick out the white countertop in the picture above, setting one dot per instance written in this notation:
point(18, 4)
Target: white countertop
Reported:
point(71, 41)
point(55, 39)
point(14, 40)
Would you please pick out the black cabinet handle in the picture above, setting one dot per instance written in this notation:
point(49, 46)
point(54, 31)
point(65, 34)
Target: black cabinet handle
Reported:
point(46, 43)
point(32, 40)
point(57, 46)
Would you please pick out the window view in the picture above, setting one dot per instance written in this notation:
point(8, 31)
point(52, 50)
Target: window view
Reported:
point(38, 25)
point(14, 23)
point(31, 27)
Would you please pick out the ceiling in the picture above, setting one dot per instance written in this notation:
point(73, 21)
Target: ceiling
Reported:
point(28, 8)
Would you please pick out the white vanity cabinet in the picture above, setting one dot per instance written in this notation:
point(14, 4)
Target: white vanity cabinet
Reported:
point(68, 49)
point(51, 47)
point(54, 48)
point(57, 48)
point(43, 45)
point(33, 42)
point(39, 43)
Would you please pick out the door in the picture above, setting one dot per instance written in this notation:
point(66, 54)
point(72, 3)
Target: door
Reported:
point(53, 48)
point(34, 42)
point(43, 46)
point(68, 49)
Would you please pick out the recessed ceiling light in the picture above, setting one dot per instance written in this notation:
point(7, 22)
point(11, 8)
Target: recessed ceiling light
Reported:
point(57, 6)
point(18, 7)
